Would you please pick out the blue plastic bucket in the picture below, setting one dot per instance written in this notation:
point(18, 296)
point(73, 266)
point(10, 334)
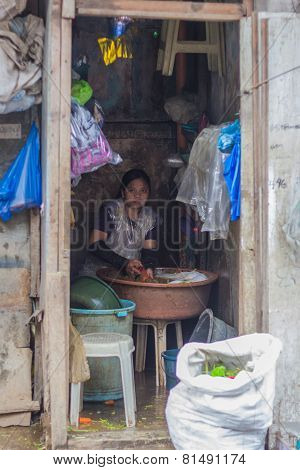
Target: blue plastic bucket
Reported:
point(105, 382)
point(170, 360)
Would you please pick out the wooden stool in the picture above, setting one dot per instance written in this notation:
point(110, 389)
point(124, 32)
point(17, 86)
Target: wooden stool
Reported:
point(160, 340)
point(213, 46)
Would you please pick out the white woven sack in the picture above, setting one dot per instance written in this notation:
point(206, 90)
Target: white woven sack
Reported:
point(205, 412)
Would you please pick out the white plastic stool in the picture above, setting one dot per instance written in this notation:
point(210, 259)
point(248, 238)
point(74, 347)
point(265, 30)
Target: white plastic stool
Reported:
point(160, 340)
point(109, 345)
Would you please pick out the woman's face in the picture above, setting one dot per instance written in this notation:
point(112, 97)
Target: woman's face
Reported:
point(136, 193)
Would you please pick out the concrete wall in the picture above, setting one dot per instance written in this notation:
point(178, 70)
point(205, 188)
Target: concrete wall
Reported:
point(282, 268)
point(292, 6)
point(15, 305)
point(270, 190)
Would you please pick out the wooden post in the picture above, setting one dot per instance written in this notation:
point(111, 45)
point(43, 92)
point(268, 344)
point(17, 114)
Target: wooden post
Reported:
point(264, 179)
point(256, 169)
point(247, 267)
point(248, 7)
point(55, 223)
point(65, 184)
point(35, 252)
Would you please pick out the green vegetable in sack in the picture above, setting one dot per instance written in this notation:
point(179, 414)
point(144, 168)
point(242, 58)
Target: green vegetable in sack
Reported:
point(221, 371)
point(231, 373)
point(218, 371)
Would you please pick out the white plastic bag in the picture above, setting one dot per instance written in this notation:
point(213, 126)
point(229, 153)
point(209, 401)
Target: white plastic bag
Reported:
point(205, 412)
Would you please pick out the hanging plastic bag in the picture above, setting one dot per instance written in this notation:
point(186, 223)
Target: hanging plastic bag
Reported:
point(203, 185)
point(120, 25)
point(229, 141)
point(20, 187)
point(113, 49)
point(108, 50)
point(89, 147)
point(81, 91)
point(117, 46)
point(232, 175)
point(227, 136)
point(205, 412)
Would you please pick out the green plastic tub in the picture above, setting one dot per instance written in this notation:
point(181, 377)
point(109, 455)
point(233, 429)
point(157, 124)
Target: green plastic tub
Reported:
point(88, 292)
point(105, 382)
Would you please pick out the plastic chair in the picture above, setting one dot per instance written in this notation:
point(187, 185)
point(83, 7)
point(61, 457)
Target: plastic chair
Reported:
point(109, 345)
point(160, 340)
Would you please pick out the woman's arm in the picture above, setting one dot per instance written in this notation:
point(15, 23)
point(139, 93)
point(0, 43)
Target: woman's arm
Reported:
point(96, 236)
point(100, 249)
point(149, 254)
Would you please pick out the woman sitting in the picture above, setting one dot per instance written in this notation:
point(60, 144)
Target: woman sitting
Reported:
point(126, 236)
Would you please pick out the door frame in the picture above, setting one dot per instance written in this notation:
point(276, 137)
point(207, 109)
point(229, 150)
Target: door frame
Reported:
point(55, 221)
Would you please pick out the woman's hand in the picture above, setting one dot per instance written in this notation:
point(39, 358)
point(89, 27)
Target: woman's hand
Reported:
point(145, 275)
point(150, 273)
point(134, 266)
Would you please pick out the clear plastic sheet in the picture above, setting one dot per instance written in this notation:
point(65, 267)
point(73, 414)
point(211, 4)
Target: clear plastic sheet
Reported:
point(89, 147)
point(203, 185)
point(127, 237)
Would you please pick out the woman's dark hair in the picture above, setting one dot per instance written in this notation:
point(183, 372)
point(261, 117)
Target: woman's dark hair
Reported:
point(131, 175)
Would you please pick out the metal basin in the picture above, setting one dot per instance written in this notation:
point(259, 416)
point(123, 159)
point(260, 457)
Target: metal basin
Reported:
point(162, 301)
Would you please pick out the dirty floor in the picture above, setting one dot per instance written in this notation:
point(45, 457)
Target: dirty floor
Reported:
point(21, 438)
point(107, 429)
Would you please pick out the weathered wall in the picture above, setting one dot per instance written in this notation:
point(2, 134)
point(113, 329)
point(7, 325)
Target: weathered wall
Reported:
point(282, 271)
point(15, 354)
point(128, 90)
point(292, 6)
point(270, 189)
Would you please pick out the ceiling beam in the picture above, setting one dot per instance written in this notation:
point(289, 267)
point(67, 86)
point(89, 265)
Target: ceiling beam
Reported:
point(162, 9)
